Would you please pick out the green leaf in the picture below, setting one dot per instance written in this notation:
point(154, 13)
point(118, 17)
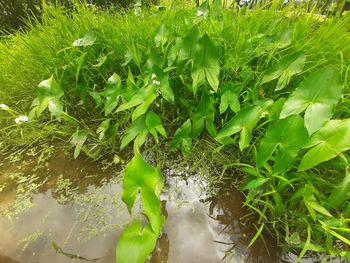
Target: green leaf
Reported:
point(285, 137)
point(88, 40)
point(281, 40)
point(287, 67)
point(189, 46)
point(144, 97)
point(229, 98)
point(141, 177)
point(112, 93)
point(137, 128)
point(78, 140)
point(55, 108)
point(50, 91)
point(164, 86)
point(318, 208)
point(183, 138)
point(257, 234)
point(102, 128)
point(206, 64)
point(136, 244)
point(205, 113)
point(162, 36)
point(293, 239)
point(154, 125)
point(216, 9)
point(327, 143)
point(244, 122)
point(317, 95)
point(255, 183)
point(340, 193)
point(103, 59)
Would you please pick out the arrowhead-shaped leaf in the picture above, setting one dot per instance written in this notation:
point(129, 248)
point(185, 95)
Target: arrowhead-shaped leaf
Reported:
point(154, 125)
point(136, 244)
point(49, 93)
point(229, 99)
point(141, 177)
point(244, 122)
point(137, 129)
point(205, 113)
point(317, 94)
point(162, 36)
point(286, 137)
point(287, 67)
point(327, 143)
point(144, 98)
point(206, 64)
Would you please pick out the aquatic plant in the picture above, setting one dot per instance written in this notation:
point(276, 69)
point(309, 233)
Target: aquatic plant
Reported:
point(264, 82)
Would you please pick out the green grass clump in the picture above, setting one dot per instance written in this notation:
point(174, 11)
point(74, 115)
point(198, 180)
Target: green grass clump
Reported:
point(269, 85)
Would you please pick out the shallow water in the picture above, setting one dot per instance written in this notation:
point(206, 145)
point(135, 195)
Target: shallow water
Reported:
point(76, 215)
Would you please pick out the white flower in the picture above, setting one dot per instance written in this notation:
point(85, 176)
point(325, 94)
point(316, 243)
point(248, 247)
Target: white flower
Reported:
point(156, 82)
point(21, 119)
point(201, 13)
point(154, 76)
point(137, 11)
point(4, 107)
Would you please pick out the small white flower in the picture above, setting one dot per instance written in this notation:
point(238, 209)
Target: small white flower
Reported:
point(156, 82)
point(154, 76)
point(137, 11)
point(21, 119)
point(4, 107)
point(200, 13)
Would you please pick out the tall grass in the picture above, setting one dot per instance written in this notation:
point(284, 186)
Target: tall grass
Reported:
point(250, 42)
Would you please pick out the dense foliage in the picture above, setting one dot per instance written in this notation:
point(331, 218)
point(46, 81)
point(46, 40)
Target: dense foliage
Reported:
point(269, 85)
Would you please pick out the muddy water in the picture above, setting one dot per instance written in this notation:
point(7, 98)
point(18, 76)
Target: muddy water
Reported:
point(55, 209)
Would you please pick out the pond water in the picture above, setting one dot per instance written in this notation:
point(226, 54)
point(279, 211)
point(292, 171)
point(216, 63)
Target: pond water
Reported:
point(56, 209)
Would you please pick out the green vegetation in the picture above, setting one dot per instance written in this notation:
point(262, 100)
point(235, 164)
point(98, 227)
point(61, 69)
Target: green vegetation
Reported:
point(268, 86)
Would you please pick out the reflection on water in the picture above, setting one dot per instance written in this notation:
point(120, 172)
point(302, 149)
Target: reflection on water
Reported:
point(78, 209)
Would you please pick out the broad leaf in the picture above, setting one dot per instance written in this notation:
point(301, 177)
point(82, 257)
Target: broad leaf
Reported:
point(244, 122)
point(78, 140)
point(327, 143)
point(112, 93)
point(88, 40)
point(49, 93)
point(144, 97)
point(154, 125)
point(206, 64)
point(183, 138)
point(135, 243)
point(137, 129)
point(229, 99)
point(189, 46)
point(287, 67)
point(341, 192)
point(141, 177)
point(205, 113)
point(317, 95)
point(286, 137)
point(162, 36)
